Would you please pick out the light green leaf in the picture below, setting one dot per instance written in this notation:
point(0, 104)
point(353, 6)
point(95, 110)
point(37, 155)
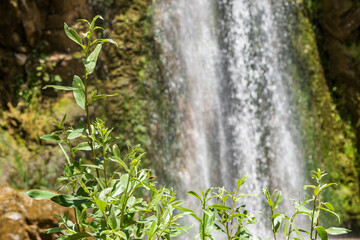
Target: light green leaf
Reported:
point(76, 133)
point(116, 151)
point(278, 200)
point(108, 40)
point(90, 62)
point(241, 181)
point(337, 231)
point(329, 206)
point(322, 233)
point(84, 146)
point(92, 25)
point(79, 93)
point(101, 204)
point(53, 138)
point(95, 97)
point(73, 35)
point(58, 87)
point(38, 194)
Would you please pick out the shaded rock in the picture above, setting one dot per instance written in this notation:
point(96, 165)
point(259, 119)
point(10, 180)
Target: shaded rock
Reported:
point(23, 218)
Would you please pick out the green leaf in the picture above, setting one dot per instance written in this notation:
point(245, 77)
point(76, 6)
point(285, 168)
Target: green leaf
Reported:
point(38, 194)
point(58, 87)
point(78, 235)
point(116, 151)
point(337, 231)
point(92, 25)
point(73, 35)
point(90, 62)
point(326, 185)
point(79, 93)
point(76, 133)
point(329, 206)
point(278, 200)
point(322, 233)
point(108, 40)
point(99, 28)
point(66, 200)
point(194, 194)
point(84, 20)
point(101, 204)
point(327, 210)
point(54, 230)
point(268, 198)
point(53, 138)
point(221, 207)
point(84, 146)
point(113, 221)
point(241, 181)
point(95, 97)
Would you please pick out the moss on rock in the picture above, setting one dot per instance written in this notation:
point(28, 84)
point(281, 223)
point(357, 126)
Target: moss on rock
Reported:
point(330, 141)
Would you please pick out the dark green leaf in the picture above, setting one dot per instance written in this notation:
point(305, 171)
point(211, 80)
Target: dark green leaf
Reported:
point(38, 194)
point(221, 207)
point(77, 236)
point(194, 194)
point(67, 200)
point(322, 233)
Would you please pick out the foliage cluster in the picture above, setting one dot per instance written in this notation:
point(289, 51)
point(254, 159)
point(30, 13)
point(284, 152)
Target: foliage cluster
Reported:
point(113, 198)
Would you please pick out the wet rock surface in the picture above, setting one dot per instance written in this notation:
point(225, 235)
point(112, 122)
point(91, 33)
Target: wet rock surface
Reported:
point(23, 218)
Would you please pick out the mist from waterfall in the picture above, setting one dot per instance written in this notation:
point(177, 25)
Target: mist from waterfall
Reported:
point(225, 67)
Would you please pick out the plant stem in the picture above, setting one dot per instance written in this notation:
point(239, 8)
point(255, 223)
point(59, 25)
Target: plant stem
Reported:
point(272, 223)
point(312, 218)
point(87, 108)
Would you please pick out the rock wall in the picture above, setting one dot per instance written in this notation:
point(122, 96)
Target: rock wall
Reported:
point(26, 24)
point(23, 218)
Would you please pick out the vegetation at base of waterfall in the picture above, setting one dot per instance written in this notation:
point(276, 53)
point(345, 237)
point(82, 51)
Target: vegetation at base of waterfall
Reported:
point(111, 196)
point(223, 212)
point(311, 206)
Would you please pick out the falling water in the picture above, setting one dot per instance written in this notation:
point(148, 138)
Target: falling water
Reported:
point(226, 69)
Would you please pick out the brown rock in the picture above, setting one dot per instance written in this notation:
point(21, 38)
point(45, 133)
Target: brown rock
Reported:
point(23, 218)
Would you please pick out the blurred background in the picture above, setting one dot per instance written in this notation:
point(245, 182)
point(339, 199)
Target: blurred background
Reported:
point(212, 90)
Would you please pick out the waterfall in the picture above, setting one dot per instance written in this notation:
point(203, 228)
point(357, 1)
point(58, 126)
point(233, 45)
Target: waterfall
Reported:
point(225, 64)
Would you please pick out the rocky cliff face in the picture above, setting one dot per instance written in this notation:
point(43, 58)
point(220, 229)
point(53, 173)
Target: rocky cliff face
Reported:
point(26, 24)
point(23, 218)
point(338, 24)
